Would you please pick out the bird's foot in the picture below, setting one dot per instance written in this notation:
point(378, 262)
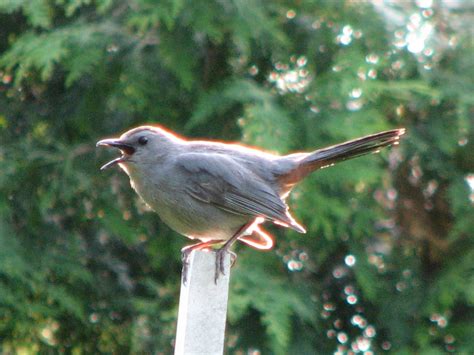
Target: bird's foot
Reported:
point(220, 261)
point(233, 258)
point(185, 254)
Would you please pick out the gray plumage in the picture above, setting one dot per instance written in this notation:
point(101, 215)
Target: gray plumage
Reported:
point(213, 191)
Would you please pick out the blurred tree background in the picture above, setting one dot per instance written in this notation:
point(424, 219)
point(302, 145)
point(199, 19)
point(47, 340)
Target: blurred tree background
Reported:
point(387, 263)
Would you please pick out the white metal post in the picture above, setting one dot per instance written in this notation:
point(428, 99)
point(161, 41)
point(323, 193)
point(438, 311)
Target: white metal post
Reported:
point(202, 307)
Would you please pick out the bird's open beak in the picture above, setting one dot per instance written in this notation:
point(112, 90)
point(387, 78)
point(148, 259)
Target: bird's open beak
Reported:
point(126, 149)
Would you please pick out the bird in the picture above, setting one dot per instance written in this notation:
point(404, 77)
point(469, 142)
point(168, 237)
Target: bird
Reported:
point(217, 192)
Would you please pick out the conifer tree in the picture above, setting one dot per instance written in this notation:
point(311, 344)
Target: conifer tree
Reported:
point(386, 264)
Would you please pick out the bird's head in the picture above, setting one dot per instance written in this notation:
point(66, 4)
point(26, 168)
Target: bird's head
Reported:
point(140, 146)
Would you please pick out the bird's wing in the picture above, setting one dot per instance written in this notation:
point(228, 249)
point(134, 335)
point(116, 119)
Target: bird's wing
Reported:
point(219, 180)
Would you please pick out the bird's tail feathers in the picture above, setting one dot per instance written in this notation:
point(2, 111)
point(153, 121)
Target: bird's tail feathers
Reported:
point(352, 149)
point(328, 156)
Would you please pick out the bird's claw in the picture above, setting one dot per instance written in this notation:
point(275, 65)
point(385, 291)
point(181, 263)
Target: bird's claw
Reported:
point(233, 257)
point(220, 262)
point(185, 253)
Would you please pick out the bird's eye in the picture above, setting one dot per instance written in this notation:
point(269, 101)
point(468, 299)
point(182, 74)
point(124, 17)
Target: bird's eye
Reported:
point(142, 140)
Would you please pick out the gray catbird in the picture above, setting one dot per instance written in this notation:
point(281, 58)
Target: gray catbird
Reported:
point(218, 192)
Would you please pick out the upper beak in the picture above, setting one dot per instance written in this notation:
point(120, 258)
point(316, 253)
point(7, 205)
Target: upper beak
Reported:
point(116, 143)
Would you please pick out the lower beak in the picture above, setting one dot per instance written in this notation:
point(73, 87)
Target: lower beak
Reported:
point(126, 149)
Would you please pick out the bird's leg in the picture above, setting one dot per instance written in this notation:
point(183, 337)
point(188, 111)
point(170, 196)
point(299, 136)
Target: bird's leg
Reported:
point(220, 253)
point(186, 251)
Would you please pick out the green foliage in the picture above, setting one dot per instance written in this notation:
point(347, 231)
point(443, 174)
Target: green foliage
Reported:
point(37, 12)
point(387, 260)
point(276, 307)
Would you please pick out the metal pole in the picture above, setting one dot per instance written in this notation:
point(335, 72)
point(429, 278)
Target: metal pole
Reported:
point(202, 307)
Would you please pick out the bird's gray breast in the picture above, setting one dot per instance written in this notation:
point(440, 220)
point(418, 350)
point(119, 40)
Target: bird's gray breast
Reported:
point(163, 188)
